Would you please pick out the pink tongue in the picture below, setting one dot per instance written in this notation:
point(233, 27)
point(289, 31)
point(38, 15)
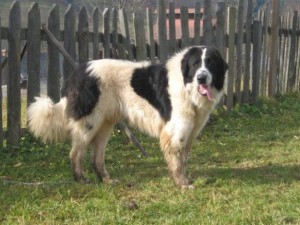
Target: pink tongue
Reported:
point(205, 90)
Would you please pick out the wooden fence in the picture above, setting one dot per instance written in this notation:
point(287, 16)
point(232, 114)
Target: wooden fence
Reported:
point(247, 42)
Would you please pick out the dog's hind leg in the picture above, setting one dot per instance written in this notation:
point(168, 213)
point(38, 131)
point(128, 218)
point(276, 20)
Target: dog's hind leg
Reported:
point(76, 155)
point(98, 155)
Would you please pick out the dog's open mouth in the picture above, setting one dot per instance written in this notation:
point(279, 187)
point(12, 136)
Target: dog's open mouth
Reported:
point(205, 90)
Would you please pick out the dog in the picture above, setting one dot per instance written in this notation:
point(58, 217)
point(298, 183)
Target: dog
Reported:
point(171, 101)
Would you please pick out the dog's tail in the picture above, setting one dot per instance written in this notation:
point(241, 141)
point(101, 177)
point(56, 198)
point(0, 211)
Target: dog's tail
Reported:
point(48, 120)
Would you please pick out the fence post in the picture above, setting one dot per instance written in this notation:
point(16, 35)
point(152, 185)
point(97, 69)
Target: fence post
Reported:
point(162, 31)
point(231, 19)
point(140, 40)
point(220, 29)
point(96, 24)
point(239, 51)
point(292, 70)
point(13, 85)
point(184, 17)
point(207, 26)
point(83, 36)
point(257, 44)
point(151, 43)
point(124, 30)
point(1, 96)
point(172, 28)
point(53, 81)
point(247, 53)
point(33, 52)
point(197, 17)
point(106, 33)
point(69, 40)
point(114, 34)
point(274, 49)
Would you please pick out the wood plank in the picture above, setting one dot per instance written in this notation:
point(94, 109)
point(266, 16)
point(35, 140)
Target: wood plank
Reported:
point(114, 33)
point(246, 84)
point(33, 52)
point(106, 33)
point(197, 17)
point(124, 30)
point(162, 31)
point(53, 78)
point(172, 29)
point(207, 25)
point(184, 18)
point(239, 51)
point(257, 44)
point(274, 49)
point(231, 18)
point(13, 85)
point(96, 35)
point(140, 40)
point(83, 40)
point(220, 28)
point(292, 56)
point(69, 41)
point(150, 35)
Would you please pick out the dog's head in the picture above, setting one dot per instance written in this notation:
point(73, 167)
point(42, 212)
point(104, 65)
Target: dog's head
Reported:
point(203, 70)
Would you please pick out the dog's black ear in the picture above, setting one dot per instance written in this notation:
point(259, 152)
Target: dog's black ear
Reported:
point(185, 67)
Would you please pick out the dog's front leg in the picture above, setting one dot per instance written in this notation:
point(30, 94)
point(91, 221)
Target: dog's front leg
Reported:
point(173, 148)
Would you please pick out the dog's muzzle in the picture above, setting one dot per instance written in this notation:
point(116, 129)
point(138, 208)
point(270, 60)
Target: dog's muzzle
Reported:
point(203, 85)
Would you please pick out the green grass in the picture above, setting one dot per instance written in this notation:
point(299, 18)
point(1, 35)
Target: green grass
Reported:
point(246, 168)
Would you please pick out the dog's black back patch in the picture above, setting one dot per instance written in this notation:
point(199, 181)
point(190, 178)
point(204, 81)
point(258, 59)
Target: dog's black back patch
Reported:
point(82, 93)
point(151, 83)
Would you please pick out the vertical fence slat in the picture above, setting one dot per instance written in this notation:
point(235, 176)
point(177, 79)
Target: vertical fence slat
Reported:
point(246, 83)
point(184, 17)
point(220, 29)
point(1, 95)
point(150, 37)
point(33, 52)
point(162, 31)
point(231, 18)
point(124, 30)
point(197, 17)
point(96, 24)
point(53, 81)
point(140, 40)
point(274, 49)
point(83, 36)
point(257, 43)
point(207, 25)
point(69, 40)
point(265, 50)
point(114, 33)
point(13, 85)
point(106, 33)
point(172, 29)
point(239, 51)
point(292, 56)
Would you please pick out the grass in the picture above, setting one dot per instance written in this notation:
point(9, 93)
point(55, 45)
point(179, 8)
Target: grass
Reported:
point(246, 168)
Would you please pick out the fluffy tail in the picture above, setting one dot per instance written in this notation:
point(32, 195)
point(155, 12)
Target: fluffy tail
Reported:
point(48, 120)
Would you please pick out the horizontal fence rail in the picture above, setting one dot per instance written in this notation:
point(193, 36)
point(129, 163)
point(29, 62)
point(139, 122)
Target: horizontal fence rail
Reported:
point(244, 39)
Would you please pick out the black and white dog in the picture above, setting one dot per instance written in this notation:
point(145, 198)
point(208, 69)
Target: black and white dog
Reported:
point(170, 101)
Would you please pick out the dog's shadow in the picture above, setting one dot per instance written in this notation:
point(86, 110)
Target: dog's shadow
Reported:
point(268, 174)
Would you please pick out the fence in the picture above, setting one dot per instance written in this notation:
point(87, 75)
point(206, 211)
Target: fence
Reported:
point(247, 42)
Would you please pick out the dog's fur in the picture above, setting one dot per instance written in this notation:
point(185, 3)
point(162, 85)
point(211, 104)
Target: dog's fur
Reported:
point(170, 101)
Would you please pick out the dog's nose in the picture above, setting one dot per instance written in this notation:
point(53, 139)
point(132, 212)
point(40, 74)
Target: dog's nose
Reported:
point(202, 77)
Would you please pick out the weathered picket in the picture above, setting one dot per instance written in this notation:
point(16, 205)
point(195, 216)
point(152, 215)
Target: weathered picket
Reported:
point(263, 59)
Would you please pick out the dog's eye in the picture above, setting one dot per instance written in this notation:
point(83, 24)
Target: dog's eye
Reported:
point(196, 64)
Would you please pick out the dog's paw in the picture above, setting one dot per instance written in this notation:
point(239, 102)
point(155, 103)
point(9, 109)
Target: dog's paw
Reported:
point(187, 187)
point(110, 181)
